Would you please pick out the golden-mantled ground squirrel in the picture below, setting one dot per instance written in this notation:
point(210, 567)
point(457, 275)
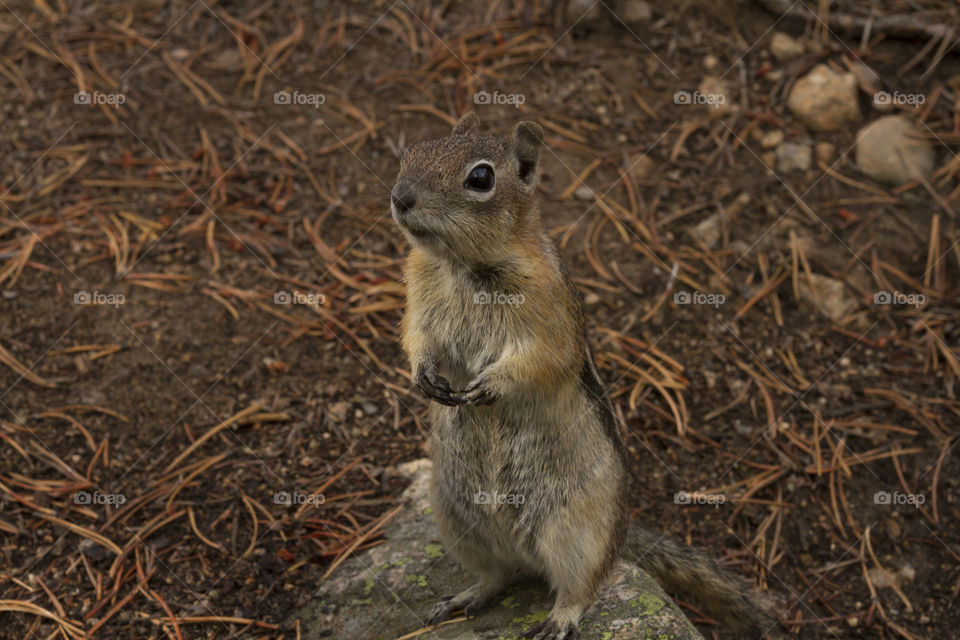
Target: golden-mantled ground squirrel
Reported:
point(529, 468)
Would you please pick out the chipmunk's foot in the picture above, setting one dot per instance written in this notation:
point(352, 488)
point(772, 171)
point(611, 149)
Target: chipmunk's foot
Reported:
point(478, 392)
point(436, 387)
point(447, 605)
point(550, 630)
point(441, 611)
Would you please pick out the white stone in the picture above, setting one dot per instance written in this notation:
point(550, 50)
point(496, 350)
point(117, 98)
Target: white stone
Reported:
point(771, 139)
point(825, 100)
point(829, 296)
point(891, 150)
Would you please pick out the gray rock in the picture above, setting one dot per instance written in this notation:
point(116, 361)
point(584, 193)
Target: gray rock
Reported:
point(711, 229)
point(793, 156)
point(385, 592)
point(890, 150)
point(825, 100)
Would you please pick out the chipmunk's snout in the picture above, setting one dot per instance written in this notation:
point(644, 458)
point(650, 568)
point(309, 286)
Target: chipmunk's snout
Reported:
point(403, 197)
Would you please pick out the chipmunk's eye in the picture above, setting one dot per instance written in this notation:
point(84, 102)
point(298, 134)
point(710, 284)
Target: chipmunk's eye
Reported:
point(480, 178)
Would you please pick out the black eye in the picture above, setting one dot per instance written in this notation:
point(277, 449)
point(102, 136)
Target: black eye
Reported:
point(480, 178)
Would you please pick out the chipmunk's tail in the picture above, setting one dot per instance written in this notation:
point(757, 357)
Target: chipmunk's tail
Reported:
point(681, 569)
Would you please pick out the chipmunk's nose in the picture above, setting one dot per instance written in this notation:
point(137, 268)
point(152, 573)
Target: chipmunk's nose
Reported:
point(403, 196)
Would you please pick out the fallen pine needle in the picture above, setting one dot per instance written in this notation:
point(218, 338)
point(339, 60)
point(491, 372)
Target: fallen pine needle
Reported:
point(103, 541)
point(224, 620)
point(356, 543)
point(422, 630)
point(255, 407)
point(7, 358)
point(28, 607)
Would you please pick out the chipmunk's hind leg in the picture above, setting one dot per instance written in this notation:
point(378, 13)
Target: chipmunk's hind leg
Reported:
point(575, 552)
point(491, 580)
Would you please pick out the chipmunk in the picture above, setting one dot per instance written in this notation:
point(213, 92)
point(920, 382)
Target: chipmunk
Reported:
point(495, 334)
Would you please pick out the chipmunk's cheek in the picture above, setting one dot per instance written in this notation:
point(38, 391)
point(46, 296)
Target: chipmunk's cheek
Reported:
point(416, 227)
point(418, 232)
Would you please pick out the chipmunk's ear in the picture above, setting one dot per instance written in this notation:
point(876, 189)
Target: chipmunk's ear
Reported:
point(525, 144)
point(466, 123)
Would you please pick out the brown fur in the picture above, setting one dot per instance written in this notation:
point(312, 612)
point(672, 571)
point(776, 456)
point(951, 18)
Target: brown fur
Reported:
point(520, 408)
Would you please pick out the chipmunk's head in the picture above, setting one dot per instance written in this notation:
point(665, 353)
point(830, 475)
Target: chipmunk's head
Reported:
point(467, 193)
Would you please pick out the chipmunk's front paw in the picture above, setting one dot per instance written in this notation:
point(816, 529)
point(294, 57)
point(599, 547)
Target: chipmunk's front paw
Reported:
point(478, 392)
point(550, 630)
point(436, 387)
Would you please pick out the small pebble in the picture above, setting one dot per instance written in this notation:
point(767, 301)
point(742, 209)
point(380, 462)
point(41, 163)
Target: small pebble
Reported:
point(783, 47)
point(771, 139)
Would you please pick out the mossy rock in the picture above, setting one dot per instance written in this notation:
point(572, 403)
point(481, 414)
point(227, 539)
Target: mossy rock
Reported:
point(386, 592)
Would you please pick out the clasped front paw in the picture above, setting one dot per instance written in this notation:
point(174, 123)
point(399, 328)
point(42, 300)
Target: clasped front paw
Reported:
point(479, 392)
point(436, 387)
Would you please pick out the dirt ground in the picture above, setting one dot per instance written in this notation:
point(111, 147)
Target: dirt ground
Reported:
point(176, 172)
